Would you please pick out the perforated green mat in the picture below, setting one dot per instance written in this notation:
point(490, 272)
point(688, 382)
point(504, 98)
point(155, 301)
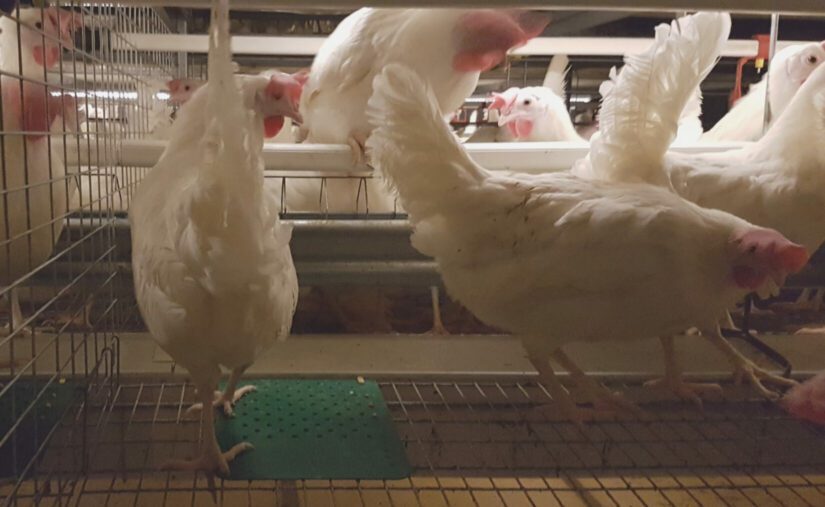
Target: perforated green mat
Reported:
point(314, 429)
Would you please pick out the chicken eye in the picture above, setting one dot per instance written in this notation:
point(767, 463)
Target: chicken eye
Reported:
point(186, 88)
point(39, 25)
point(812, 59)
point(527, 102)
point(752, 249)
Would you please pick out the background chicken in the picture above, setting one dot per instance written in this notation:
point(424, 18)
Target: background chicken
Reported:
point(788, 70)
point(778, 182)
point(536, 113)
point(450, 47)
point(33, 210)
point(182, 89)
point(594, 259)
point(213, 272)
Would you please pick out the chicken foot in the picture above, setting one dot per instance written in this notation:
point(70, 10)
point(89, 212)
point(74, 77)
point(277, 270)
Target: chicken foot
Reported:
point(229, 397)
point(560, 395)
point(601, 397)
point(357, 143)
point(744, 368)
point(211, 459)
point(673, 381)
point(72, 320)
point(16, 317)
point(566, 403)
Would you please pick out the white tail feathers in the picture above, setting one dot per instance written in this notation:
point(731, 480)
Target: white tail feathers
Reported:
point(640, 114)
point(227, 121)
point(557, 74)
point(412, 145)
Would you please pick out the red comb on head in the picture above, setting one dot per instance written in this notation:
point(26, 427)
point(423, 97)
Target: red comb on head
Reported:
point(780, 253)
point(281, 85)
point(498, 101)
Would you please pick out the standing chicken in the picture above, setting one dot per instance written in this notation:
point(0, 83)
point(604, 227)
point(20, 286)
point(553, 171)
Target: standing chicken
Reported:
point(213, 272)
point(557, 258)
point(536, 113)
point(35, 189)
point(788, 70)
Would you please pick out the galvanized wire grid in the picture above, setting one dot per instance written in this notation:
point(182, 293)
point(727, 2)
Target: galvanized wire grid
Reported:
point(471, 443)
point(57, 245)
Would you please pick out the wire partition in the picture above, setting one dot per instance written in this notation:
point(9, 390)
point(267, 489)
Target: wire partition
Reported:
point(471, 443)
point(70, 86)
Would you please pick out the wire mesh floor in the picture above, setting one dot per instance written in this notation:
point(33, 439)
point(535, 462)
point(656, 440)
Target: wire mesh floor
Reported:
point(471, 444)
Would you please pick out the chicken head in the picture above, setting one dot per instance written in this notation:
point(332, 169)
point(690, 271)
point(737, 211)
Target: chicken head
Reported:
point(762, 254)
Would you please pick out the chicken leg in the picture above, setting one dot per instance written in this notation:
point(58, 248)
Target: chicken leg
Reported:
point(560, 395)
point(229, 397)
point(597, 394)
point(745, 368)
point(211, 459)
point(673, 381)
point(438, 324)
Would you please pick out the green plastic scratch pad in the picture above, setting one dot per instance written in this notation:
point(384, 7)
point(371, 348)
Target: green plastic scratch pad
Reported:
point(313, 429)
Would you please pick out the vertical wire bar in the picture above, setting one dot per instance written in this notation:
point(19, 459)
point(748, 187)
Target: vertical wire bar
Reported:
point(766, 120)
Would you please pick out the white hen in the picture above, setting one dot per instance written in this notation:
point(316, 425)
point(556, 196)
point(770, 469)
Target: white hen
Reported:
point(557, 258)
point(213, 272)
point(33, 180)
point(788, 70)
point(779, 181)
point(536, 113)
point(640, 115)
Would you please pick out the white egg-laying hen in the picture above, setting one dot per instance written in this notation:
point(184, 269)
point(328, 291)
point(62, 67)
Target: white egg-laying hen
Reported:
point(778, 182)
point(558, 257)
point(632, 145)
point(33, 180)
point(213, 271)
point(536, 113)
point(788, 71)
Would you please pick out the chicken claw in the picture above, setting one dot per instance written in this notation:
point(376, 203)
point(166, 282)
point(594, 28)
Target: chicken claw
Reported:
point(673, 381)
point(744, 368)
point(225, 400)
point(210, 463)
point(756, 375)
point(602, 398)
point(688, 391)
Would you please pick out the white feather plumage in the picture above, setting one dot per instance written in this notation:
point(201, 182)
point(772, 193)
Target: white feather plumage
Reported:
point(640, 115)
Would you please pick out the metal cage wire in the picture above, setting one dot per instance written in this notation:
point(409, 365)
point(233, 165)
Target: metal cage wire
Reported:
point(69, 85)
